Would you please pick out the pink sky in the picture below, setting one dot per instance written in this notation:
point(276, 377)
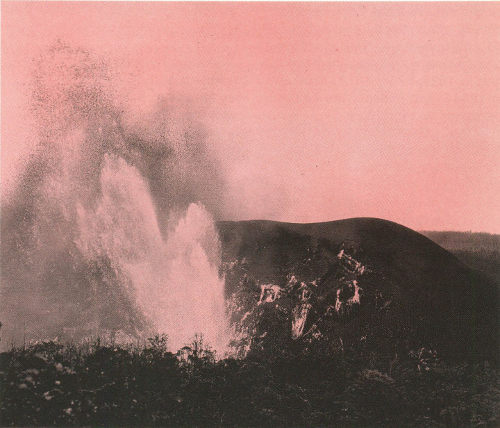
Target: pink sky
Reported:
point(317, 111)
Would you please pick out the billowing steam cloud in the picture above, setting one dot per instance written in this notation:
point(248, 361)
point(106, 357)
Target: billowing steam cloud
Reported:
point(110, 228)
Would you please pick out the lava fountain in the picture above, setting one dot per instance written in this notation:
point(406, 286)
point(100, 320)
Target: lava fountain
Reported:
point(175, 280)
point(109, 230)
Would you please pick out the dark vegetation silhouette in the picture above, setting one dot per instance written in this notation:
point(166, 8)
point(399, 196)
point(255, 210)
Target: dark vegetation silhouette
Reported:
point(375, 366)
point(418, 351)
point(100, 384)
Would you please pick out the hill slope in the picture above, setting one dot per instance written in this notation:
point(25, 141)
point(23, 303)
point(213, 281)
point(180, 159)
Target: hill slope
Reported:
point(362, 283)
point(480, 251)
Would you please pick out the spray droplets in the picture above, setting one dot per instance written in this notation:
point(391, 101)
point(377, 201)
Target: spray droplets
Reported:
point(107, 232)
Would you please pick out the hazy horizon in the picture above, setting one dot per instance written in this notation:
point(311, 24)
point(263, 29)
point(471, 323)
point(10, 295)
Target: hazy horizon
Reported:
point(308, 112)
point(131, 130)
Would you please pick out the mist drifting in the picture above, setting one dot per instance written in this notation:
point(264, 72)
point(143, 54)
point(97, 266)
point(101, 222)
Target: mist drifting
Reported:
point(109, 230)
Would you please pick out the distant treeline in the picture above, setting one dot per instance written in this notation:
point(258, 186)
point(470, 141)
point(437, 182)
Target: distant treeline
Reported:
point(108, 385)
point(465, 241)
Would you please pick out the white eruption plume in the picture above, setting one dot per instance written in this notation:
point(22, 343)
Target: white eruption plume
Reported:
point(110, 230)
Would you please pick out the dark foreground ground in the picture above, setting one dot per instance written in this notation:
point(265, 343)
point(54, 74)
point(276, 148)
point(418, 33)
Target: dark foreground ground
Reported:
point(301, 384)
point(105, 385)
